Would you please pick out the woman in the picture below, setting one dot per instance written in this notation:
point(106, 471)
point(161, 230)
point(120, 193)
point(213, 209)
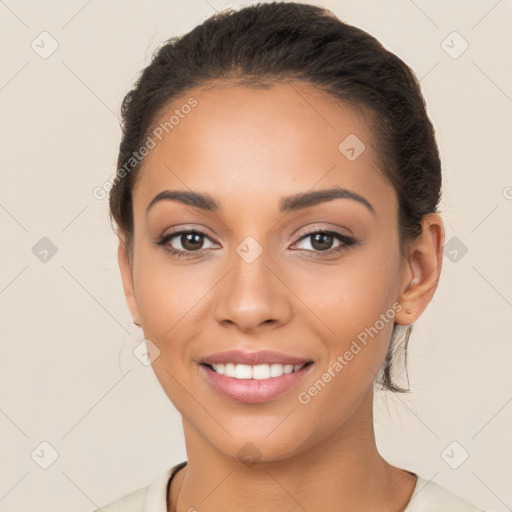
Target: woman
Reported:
point(276, 208)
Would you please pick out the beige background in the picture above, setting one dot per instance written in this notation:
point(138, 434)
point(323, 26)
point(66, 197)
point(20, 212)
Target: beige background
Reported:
point(67, 372)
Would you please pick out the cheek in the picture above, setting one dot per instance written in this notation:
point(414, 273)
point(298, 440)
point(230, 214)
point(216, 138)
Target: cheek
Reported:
point(169, 299)
point(168, 294)
point(352, 296)
point(165, 301)
point(355, 303)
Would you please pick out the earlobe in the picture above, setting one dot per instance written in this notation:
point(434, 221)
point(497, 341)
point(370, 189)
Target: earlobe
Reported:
point(422, 271)
point(125, 266)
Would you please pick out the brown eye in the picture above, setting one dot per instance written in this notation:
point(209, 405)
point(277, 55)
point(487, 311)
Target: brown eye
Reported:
point(322, 241)
point(184, 243)
point(191, 241)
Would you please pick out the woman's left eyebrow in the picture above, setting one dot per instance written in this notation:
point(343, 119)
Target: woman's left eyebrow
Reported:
point(314, 197)
point(286, 204)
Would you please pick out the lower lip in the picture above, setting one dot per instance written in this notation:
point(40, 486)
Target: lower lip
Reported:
point(253, 391)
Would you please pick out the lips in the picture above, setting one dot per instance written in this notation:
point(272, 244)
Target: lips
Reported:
point(253, 377)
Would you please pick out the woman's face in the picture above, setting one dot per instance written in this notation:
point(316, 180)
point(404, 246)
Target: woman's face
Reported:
point(257, 279)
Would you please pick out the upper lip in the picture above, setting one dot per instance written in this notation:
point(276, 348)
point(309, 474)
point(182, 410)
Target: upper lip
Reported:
point(252, 358)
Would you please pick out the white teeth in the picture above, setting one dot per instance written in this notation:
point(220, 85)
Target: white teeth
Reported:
point(276, 370)
point(243, 371)
point(259, 372)
point(229, 370)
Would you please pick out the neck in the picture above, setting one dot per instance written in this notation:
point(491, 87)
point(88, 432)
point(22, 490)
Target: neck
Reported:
point(343, 472)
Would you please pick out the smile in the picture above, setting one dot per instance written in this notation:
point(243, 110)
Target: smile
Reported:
point(253, 377)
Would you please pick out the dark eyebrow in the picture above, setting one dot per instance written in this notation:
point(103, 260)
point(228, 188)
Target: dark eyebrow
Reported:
point(287, 204)
point(195, 199)
point(307, 199)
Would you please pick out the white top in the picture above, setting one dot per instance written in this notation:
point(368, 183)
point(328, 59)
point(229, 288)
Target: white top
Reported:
point(427, 497)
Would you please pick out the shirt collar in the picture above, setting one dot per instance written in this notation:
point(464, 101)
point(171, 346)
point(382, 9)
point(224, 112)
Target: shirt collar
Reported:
point(156, 494)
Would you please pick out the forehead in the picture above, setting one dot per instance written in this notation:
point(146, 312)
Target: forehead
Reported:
point(258, 142)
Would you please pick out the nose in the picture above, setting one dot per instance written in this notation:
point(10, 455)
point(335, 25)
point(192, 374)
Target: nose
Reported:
point(252, 296)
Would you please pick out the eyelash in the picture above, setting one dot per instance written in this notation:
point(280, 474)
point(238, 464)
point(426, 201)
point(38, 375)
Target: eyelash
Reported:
point(346, 242)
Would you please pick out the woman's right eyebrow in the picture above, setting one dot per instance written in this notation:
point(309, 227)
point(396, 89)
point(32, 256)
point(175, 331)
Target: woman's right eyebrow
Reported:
point(195, 199)
point(294, 202)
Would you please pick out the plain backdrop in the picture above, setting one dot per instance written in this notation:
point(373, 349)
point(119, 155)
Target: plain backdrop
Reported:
point(68, 376)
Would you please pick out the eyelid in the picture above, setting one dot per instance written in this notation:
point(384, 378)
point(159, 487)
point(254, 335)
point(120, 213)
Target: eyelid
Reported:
point(325, 228)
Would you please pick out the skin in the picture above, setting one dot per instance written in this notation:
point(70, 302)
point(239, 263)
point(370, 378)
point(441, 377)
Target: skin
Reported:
point(248, 148)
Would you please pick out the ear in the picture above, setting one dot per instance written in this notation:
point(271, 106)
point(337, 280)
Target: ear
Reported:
point(421, 270)
point(125, 266)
